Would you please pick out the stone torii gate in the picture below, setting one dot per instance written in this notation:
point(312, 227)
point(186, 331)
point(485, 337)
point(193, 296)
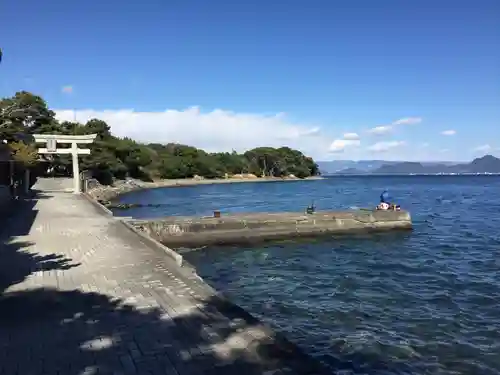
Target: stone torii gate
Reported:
point(51, 141)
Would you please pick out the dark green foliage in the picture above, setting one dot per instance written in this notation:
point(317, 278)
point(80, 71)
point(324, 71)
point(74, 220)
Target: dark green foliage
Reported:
point(114, 157)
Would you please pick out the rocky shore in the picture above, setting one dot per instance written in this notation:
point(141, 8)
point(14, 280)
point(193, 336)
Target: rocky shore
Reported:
point(106, 193)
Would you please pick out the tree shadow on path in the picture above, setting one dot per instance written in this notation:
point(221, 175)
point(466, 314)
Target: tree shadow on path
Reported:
point(17, 260)
point(46, 331)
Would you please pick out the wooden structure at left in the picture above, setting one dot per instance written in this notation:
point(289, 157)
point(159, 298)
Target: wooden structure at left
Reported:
point(51, 141)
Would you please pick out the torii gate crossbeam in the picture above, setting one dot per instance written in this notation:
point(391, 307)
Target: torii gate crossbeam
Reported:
point(51, 141)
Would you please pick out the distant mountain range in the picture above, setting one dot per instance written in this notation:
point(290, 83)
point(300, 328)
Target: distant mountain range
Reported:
point(485, 164)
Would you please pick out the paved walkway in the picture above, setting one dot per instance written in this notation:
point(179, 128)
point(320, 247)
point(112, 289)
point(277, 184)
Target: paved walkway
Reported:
point(81, 294)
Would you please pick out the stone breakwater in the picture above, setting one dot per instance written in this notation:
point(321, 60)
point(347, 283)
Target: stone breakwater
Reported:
point(106, 193)
point(179, 232)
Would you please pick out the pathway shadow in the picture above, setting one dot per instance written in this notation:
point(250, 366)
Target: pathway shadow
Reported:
point(71, 332)
point(47, 331)
point(17, 260)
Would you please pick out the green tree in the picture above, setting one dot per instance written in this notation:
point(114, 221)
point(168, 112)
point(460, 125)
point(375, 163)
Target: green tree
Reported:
point(25, 112)
point(233, 162)
point(99, 127)
point(26, 154)
point(173, 167)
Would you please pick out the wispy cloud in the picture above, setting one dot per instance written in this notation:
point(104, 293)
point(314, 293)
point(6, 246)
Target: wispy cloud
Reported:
point(482, 148)
point(449, 132)
point(384, 129)
point(385, 146)
point(299, 133)
point(407, 121)
point(339, 145)
point(67, 89)
point(313, 131)
point(351, 136)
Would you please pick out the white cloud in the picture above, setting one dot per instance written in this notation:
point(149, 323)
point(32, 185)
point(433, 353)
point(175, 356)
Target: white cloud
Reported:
point(339, 145)
point(380, 130)
point(408, 121)
point(298, 133)
point(313, 131)
point(218, 130)
point(67, 89)
point(385, 146)
point(449, 132)
point(351, 136)
point(482, 148)
point(425, 145)
point(384, 129)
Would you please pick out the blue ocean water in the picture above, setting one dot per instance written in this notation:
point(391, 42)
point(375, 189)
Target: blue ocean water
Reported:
point(422, 302)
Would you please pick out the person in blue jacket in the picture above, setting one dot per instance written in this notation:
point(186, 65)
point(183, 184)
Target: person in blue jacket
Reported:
point(384, 197)
point(385, 204)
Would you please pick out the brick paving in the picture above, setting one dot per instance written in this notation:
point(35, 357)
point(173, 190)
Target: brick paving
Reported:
point(81, 294)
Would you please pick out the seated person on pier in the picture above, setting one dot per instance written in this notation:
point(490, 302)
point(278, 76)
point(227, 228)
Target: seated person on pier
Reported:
point(385, 206)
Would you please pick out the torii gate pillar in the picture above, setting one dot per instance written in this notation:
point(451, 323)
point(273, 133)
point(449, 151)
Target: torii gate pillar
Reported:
point(51, 141)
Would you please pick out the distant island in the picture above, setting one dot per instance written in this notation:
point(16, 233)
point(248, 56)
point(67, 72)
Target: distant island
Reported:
point(483, 165)
point(118, 158)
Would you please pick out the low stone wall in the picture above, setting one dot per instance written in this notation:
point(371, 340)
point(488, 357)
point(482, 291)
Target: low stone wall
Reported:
point(243, 228)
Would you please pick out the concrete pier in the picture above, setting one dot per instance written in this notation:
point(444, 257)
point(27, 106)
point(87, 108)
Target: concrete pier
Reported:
point(242, 228)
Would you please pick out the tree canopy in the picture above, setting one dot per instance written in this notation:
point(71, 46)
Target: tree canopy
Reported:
point(113, 157)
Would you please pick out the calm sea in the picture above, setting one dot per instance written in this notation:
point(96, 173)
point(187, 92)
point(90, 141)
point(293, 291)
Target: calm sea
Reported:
point(425, 302)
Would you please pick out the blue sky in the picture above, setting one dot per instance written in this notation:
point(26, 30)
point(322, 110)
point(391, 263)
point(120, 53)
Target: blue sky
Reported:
point(225, 74)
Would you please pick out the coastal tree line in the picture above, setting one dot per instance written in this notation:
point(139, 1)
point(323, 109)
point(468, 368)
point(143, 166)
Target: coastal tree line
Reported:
point(117, 158)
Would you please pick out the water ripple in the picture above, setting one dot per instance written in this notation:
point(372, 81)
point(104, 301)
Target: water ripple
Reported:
point(417, 303)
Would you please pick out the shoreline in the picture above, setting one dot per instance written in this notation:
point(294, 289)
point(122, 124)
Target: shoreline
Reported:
point(107, 193)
